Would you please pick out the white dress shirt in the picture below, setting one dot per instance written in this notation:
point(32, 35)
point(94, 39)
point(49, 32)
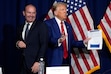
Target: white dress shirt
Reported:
point(58, 22)
point(24, 28)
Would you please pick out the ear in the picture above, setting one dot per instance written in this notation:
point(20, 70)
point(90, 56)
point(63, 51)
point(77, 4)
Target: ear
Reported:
point(55, 12)
point(23, 13)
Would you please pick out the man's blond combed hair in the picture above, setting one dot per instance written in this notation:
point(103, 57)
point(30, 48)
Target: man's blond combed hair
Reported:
point(57, 4)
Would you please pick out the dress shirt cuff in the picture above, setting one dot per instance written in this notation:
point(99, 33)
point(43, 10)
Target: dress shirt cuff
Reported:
point(17, 44)
point(59, 44)
point(84, 44)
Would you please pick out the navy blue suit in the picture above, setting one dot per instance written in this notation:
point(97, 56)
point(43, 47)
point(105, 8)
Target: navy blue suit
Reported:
point(55, 53)
point(36, 43)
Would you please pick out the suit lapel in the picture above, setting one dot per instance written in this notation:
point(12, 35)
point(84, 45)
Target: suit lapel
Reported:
point(68, 32)
point(56, 28)
point(21, 30)
point(67, 27)
point(31, 29)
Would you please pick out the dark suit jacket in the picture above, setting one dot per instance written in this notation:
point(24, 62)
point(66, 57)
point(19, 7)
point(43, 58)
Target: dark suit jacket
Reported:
point(55, 53)
point(36, 43)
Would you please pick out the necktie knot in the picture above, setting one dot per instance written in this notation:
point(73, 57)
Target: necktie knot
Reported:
point(62, 28)
point(61, 23)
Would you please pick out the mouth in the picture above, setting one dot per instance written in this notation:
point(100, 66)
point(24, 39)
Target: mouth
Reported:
point(30, 17)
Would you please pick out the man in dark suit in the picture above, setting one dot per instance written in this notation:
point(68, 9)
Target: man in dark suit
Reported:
point(34, 44)
point(61, 39)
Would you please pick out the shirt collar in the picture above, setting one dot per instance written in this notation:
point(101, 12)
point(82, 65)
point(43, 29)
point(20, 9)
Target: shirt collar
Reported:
point(58, 20)
point(29, 23)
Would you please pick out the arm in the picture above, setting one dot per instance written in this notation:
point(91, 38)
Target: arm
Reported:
point(20, 43)
point(43, 42)
point(43, 35)
point(74, 43)
point(52, 37)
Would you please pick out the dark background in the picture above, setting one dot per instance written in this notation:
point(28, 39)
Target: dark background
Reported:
point(11, 17)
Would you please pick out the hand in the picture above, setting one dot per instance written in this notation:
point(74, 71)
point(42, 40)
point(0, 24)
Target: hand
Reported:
point(21, 44)
point(35, 67)
point(86, 41)
point(62, 38)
